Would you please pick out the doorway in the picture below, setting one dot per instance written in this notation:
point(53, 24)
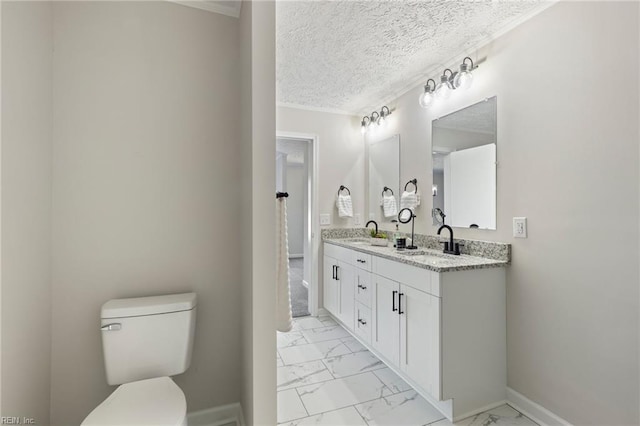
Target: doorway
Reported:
point(295, 175)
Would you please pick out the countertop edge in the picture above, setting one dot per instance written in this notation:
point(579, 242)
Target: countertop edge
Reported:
point(490, 263)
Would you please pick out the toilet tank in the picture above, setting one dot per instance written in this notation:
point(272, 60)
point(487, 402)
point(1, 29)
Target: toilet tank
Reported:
point(147, 337)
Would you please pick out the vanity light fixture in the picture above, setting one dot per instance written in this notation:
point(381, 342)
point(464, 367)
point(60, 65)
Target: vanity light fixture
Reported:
point(376, 117)
point(449, 81)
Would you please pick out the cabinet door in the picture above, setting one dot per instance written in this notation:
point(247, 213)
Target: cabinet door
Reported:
point(346, 276)
point(420, 338)
point(330, 285)
point(385, 321)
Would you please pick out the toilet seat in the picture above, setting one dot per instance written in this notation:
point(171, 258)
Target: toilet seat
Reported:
point(157, 402)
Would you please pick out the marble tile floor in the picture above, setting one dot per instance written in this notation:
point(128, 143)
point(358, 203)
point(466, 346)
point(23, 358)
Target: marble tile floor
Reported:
point(326, 377)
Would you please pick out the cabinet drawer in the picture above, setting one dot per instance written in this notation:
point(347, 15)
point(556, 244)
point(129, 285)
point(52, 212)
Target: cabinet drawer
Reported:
point(339, 253)
point(363, 322)
point(418, 278)
point(363, 287)
point(362, 260)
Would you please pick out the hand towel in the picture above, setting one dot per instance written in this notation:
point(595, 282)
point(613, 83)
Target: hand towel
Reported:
point(409, 200)
point(284, 320)
point(345, 207)
point(389, 205)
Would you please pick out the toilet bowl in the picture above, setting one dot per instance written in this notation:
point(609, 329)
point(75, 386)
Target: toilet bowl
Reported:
point(151, 402)
point(145, 340)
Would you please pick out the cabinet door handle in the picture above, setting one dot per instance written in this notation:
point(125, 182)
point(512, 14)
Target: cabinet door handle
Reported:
point(393, 301)
point(334, 272)
point(337, 277)
point(400, 311)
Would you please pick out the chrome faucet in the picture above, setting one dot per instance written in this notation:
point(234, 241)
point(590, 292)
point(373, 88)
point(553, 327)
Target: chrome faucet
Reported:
point(449, 246)
point(375, 223)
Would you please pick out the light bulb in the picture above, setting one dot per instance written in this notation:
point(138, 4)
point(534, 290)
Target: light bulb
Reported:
point(363, 129)
point(381, 121)
point(463, 80)
point(426, 99)
point(443, 91)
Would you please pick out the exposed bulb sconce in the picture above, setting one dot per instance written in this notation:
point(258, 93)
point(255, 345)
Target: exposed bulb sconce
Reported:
point(464, 78)
point(376, 117)
point(449, 81)
point(444, 88)
point(364, 124)
point(384, 112)
point(426, 99)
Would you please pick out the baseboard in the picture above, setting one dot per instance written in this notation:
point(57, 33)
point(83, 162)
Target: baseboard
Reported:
point(322, 312)
point(295, 256)
point(217, 416)
point(533, 410)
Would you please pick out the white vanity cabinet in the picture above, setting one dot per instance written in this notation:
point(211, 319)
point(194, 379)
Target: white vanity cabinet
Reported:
point(339, 284)
point(406, 323)
point(443, 332)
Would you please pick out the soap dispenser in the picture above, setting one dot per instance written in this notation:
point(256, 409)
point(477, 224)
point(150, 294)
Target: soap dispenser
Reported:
point(396, 235)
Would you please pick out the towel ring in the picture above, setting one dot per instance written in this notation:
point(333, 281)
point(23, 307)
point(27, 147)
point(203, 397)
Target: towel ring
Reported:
point(386, 188)
point(342, 188)
point(414, 182)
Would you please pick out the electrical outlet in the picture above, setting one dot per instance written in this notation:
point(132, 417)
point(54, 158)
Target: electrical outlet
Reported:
point(325, 219)
point(520, 227)
point(357, 220)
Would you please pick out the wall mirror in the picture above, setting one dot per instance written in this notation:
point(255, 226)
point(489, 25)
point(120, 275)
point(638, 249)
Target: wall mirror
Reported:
point(464, 147)
point(384, 179)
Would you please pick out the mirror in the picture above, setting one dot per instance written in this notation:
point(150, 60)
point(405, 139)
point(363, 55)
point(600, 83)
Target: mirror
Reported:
point(384, 179)
point(464, 166)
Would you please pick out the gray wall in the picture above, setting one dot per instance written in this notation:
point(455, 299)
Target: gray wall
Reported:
point(146, 135)
point(565, 140)
point(26, 209)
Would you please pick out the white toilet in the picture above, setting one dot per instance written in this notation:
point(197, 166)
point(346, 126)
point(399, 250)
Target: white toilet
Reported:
point(145, 340)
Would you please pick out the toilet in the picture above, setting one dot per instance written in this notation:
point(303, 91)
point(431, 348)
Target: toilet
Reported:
point(145, 341)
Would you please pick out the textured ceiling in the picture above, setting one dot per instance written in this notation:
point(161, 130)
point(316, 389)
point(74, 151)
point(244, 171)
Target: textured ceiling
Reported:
point(353, 55)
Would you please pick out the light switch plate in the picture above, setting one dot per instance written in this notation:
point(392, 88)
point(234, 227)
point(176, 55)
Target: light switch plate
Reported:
point(357, 219)
point(520, 227)
point(325, 219)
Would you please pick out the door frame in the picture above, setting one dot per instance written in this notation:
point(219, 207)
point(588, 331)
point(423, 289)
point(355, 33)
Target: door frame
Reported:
point(313, 241)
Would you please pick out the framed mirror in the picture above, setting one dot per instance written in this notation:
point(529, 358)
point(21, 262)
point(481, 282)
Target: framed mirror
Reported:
point(384, 179)
point(464, 149)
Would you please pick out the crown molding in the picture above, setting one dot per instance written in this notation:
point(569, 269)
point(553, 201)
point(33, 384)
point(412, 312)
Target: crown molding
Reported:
point(228, 8)
point(316, 109)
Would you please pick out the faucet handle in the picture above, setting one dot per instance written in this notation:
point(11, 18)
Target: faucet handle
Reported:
point(457, 247)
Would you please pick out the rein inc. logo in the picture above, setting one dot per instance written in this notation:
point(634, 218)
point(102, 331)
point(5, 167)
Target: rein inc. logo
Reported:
point(6, 420)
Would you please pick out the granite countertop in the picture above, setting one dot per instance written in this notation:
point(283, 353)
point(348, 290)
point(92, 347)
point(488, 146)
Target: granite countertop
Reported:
point(430, 259)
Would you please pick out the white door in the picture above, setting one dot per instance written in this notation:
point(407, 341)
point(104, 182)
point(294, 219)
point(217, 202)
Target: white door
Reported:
point(346, 276)
point(420, 338)
point(330, 285)
point(385, 337)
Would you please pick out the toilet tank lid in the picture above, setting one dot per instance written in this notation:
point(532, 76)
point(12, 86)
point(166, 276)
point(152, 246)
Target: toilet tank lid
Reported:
point(139, 306)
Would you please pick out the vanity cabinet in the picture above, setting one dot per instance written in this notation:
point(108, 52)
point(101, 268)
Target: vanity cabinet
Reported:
point(406, 331)
point(339, 284)
point(442, 332)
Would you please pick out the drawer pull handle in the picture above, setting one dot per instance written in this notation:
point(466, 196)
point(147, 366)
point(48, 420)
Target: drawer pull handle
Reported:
point(393, 300)
point(362, 287)
point(361, 321)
